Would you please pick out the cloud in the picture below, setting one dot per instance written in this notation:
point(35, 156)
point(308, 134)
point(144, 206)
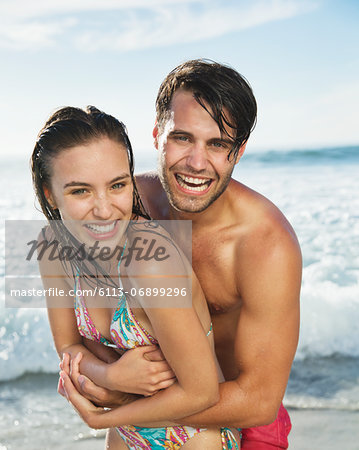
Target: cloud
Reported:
point(40, 8)
point(183, 24)
point(34, 34)
point(134, 24)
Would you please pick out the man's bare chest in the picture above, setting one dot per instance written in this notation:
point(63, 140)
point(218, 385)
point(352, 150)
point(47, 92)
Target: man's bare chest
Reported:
point(214, 265)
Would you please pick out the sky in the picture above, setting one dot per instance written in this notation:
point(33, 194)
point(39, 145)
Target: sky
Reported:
point(300, 56)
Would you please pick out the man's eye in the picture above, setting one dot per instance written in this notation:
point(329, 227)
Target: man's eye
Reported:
point(219, 145)
point(182, 138)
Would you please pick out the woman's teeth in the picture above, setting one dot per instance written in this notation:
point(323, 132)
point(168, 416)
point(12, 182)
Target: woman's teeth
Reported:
point(193, 184)
point(100, 229)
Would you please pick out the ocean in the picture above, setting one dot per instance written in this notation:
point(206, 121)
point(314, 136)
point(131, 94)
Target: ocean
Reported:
point(318, 191)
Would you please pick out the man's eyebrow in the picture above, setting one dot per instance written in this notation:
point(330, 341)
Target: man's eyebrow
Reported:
point(120, 177)
point(181, 132)
point(215, 139)
point(225, 140)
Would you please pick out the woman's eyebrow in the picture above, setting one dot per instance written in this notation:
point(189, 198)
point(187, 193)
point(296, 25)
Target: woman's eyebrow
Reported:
point(76, 183)
point(122, 176)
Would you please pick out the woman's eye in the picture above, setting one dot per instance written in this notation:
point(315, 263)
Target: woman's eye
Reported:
point(117, 186)
point(78, 191)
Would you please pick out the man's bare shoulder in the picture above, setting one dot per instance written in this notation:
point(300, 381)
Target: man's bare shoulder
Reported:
point(265, 229)
point(267, 253)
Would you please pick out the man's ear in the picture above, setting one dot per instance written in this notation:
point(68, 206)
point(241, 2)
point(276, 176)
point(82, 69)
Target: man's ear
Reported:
point(155, 135)
point(240, 152)
point(49, 197)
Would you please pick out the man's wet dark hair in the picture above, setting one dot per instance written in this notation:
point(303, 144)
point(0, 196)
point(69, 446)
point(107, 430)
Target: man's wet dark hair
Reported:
point(220, 90)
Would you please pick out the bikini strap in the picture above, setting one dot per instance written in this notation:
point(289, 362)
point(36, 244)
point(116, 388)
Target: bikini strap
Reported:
point(229, 442)
point(43, 233)
point(120, 259)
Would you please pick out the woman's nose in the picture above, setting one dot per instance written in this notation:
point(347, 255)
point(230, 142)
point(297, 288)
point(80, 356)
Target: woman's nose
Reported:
point(102, 208)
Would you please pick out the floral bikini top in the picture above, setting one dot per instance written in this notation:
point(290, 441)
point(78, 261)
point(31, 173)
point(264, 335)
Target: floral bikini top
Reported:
point(125, 330)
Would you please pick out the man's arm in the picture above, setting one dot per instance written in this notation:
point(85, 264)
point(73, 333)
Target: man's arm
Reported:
point(266, 337)
point(268, 280)
point(267, 334)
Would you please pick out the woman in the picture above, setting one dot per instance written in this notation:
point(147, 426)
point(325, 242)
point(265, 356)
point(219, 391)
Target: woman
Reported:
point(82, 168)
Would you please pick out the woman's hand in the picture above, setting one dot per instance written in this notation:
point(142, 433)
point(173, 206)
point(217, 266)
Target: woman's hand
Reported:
point(139, 363)
point(142, 370)
point(93, 416)
point(96, 394)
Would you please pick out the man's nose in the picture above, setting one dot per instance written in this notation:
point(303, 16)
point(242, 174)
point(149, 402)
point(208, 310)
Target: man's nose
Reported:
point(197, 158)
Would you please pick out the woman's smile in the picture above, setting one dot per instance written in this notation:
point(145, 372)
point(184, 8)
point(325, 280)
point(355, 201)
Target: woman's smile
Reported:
point(100, 231)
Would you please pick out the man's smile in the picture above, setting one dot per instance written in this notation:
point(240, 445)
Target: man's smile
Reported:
point(193, 184)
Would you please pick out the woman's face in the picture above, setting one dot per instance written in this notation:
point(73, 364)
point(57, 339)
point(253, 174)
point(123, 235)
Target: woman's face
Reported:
point(92, 188)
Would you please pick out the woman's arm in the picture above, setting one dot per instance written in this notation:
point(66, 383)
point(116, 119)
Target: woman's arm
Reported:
point(134, 373)
point(191, 358)
point(61, 313)
point(184, 344)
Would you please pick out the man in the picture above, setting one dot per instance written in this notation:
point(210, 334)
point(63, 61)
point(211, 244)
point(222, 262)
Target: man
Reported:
point(244, 252)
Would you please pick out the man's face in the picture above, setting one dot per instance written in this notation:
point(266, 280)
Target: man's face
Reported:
point(193, 164)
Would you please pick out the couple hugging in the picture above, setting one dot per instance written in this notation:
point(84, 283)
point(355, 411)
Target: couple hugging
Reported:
point(201, 367)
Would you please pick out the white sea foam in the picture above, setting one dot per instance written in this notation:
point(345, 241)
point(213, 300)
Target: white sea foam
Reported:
point(322, 203)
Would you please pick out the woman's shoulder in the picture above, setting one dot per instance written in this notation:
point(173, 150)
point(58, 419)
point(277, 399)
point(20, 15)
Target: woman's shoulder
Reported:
point(47, 245)
point(155, 267)
point(45, 234)
point(151, 247)
point(49, 255)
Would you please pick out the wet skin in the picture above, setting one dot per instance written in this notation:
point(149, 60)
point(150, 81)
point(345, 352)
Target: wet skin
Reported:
point(245, 255)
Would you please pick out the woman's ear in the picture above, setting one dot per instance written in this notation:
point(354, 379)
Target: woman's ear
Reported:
point(49, 197)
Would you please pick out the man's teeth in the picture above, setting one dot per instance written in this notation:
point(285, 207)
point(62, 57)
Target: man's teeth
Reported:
point(101, 228)
point(199, 183)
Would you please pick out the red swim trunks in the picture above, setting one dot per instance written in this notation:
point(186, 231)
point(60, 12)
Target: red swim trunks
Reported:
point(268, 437)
